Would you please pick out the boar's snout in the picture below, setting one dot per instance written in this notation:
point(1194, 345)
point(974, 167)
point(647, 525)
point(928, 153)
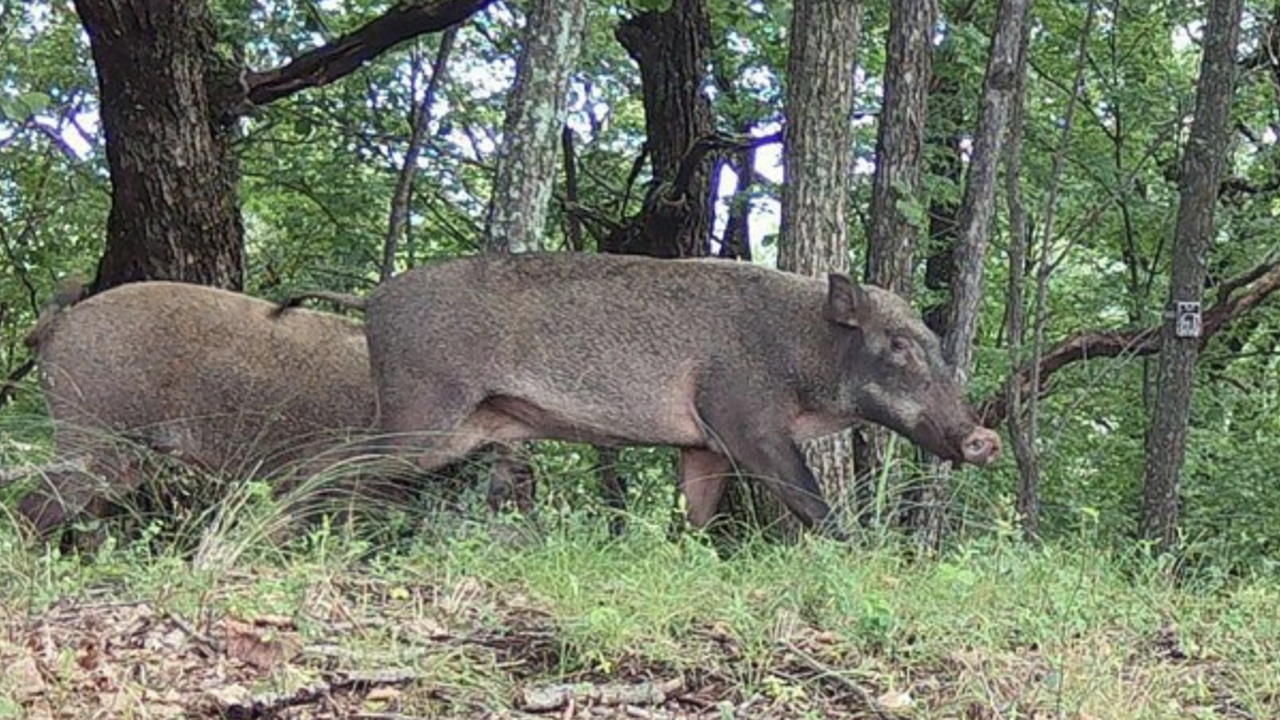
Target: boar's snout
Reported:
point(982, 447)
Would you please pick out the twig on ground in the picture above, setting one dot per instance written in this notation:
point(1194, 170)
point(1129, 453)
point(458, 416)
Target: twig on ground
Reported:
point(195, 634)
point(825, 670)
point(555, 697)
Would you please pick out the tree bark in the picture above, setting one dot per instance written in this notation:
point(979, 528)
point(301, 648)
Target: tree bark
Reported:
point(818, 163)
point(892, 231)
point(1202, 167)
point(736, 243)
point(174, 212)
point(169, 105)
point(978, 206)
point(977, 209)
point(670, 48)
point(535, 113)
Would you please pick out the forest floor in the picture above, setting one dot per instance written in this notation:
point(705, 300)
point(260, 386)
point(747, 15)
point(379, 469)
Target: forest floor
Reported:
point(565, 622)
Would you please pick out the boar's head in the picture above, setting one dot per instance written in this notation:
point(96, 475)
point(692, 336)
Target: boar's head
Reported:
point(892, 373)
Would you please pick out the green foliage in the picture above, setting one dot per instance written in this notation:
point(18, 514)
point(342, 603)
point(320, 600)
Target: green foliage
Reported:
point(318, 170)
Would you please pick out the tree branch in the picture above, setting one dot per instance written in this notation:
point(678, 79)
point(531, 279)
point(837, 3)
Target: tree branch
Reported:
point(717, 143)
point(346, 54)
point(1092, 344)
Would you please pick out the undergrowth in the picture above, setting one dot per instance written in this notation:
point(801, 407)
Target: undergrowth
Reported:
point(1055, 629)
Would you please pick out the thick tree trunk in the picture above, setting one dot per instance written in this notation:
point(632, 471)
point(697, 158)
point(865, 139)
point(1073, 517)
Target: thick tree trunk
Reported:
point(169, 105)
point(670, 48)
point(818, 163)
point(891, 232)
point(531, 132)
point(1202, 166)
point(174, 212)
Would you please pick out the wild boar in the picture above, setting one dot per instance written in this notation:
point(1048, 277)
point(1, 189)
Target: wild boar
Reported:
point(193, 372)
point(733, 363)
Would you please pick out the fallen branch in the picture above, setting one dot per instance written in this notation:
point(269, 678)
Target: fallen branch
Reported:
point(555, 697)
point(236, 702)
point(1260, 283)
point(79, 464)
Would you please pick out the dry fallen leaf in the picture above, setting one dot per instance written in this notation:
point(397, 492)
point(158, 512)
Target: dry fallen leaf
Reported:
point(894, 701)
point(262, 648)
point(226, 697)
point(22, 679)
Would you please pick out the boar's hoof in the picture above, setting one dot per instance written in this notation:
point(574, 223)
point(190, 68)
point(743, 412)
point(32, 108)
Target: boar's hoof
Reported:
point(982, 447)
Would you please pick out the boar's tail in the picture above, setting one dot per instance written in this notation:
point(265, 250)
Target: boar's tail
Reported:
point(71, 290)
point(350, 302)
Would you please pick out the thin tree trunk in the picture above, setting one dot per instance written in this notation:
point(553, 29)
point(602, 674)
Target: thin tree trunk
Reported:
point(818, 162)
point(736, 243)
point(421, 120)
point(1026, 435)
point(1022, 433)
point(892, 232)
point(977, 209)
point(1202, 166)
point(572, 223)
point(174, 212)
point(535, 113)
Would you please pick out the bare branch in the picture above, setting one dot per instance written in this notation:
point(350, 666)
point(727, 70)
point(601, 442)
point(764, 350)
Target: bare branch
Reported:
point(343, 56)
point(1092, 344)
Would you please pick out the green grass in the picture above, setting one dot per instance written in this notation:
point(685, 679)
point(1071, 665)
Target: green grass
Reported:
point(481, 609)
point(1022, 631)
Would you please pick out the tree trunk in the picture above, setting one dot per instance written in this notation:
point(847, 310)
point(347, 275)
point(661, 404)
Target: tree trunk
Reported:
point(169, 104)
point(526, 174)
point(818, 164)
point(1202, 166)
point(977, 209)
point(1022, 431)
point(736, 243)
point(531, 133)
point(174, 212)
point(420, 123)
point(670, 48)
point(892, 232)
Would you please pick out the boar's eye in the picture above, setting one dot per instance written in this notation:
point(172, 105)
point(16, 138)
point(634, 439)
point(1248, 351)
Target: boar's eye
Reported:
point(899, 349)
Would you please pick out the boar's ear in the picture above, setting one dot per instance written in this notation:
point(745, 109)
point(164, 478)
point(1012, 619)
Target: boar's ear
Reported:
point(846, 301)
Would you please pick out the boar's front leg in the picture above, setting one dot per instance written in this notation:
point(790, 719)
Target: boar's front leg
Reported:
point(761, 450)
point(703, 475)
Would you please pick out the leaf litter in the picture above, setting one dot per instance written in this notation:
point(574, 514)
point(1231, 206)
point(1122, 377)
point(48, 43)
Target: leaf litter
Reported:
point(366, 648)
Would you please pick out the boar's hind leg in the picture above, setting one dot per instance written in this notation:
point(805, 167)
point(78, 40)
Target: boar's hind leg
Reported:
point(68, 489)
point(434, 427)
